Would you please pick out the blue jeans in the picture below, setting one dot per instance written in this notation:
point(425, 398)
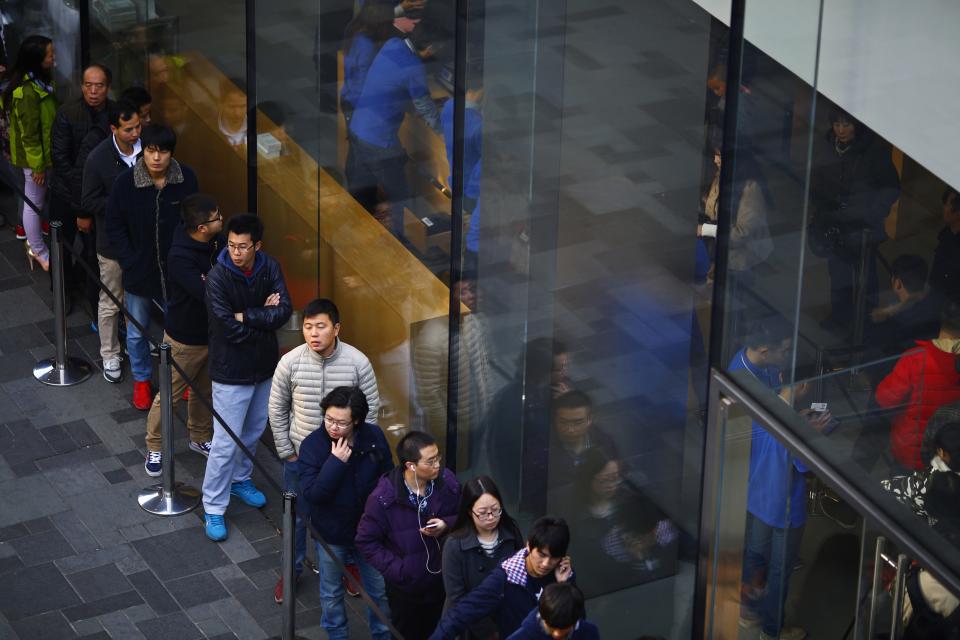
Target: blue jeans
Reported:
point(138, 345)
point(769, 556)
point(244, 407)
point(386, 167)
point(291, 482)
point(334, 616)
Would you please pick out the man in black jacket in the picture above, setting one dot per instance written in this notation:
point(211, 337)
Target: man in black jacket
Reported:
point(247, 301)
point(108, 160)
point(945, 271)
point(142, 212)
point(196, 245)
point(68, 150)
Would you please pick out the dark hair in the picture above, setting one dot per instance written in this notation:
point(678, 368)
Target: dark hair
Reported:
point(273, 110)
point(30, 57)
point(195, 210)
point(322, 306)
point(572, 400)
point(539, 356)
point(107, 74)
point(948, 194)
point(948, 439)
point(911, 270)
point(374, 20)
point(950, 318)
point(408, 449)
point(348, 397)
point(137, 95)
point(839, 114)
point(592, 462)
point(561, 605)
point(246, 224)
point(231, 85)
point(767, 332)
point(121, 110)
point(550, 533)
point(160, 136)
point(470, 492)
point(942, 499)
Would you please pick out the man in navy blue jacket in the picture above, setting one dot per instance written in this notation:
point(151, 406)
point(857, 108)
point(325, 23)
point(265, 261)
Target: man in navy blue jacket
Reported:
point(196, 244)
point(247, 301)
point(339, 468)
point(396, 79)
point(512, 590)
point(559, 615)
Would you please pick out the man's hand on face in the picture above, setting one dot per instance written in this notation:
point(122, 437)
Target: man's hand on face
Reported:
point(564, 570)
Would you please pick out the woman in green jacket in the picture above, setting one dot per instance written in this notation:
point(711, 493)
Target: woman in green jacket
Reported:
point(31, 105)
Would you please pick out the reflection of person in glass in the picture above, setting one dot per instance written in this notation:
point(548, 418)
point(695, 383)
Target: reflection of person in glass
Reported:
point(853, 186)
point(945, 270)
point(232, 120)
point(573, 433)
point(776, 488)
point(912, 489)
point(363, 37)
point(396, 79)
point(472, 147)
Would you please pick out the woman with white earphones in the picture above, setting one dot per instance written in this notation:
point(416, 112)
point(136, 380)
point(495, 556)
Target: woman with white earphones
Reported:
point(402, 529)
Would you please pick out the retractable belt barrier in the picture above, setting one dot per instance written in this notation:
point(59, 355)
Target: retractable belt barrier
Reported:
point(172, 496)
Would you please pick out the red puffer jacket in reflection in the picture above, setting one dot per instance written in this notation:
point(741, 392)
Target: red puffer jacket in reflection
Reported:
point(925, 380)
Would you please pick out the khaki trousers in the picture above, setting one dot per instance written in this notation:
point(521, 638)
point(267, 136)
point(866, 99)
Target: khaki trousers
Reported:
point(108, 315)
point(193, 360)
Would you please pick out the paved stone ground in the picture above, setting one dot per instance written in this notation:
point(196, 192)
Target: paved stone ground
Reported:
point(78, 557)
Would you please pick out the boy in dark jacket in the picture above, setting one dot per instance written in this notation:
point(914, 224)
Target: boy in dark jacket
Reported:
point(247, 301)
point(559, 615)
point(511, 591)
point(196, 245)
point(339, 468)
point(400, 533)
point(142, 212)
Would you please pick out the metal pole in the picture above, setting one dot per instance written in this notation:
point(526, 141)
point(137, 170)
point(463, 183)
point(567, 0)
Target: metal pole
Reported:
point(61, 370)
point(170, 498)
point(899, 593)
point(288, 623)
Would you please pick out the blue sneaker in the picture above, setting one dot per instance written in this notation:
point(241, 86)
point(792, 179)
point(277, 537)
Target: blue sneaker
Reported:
point(248, 493)
point(216, 528)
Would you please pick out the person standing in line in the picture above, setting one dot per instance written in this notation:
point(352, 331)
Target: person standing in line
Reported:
point(247, 302)
point(559, 615)
point(304, 377)
point(142, 212)
point(400, 533)
point(340, 465)
point(108, 160)
point(31, 103)
point(195, 247)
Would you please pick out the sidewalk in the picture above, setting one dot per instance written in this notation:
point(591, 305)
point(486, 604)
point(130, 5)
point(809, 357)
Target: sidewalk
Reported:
point(78, 557)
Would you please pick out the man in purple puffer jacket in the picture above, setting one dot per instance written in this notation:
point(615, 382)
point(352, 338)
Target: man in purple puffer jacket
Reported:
point(401, 532)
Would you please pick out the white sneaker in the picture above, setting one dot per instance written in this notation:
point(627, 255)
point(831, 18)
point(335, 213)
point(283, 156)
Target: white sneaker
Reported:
point(111, 370)
point(203, 448)
point(153, 465)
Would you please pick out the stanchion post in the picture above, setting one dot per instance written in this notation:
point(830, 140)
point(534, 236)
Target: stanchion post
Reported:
point(170, 498)
point(288, 628)
point(61, 370)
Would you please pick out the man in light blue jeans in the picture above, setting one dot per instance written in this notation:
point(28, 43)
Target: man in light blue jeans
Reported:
point(247, 301)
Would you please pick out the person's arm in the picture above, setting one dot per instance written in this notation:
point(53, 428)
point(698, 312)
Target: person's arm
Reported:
point(368, 384)
point(78, 171)
point(278, 408)
point(218, 306)
point(61, 146)
point(93, 194)
point(372, 531)
point(481, 602)
point(325, 478)
point(117, 229)
point(896, 387)
point(420, 95)
point(187, 276)
point(28, 113)
point(275, 316)
point(453, 581)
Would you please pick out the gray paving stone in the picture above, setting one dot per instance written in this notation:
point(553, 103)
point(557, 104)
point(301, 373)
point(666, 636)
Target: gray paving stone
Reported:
point(10, 563)
point(72, 458)
point(101, 606)
point(110, 508)
point(228, 572)
point(15, 365)
point(196, 589)
point(46, 626)
point(81, 433)
point(89, 627)
point(22, 338)
point(131, 458)
point(140, 613)
point(240, 621)
point(203, 612)
point(108, 538)
point(173, 626)
point(42, 547)
point(66, 403)
point(13, 531)
point(97, 558)
point(33, 590)
point(73, 529)
point(111, 434)
point(20, 442)
point(265, 579)
point(238, 549)
point(38, 525)
point(117, 476)
point(99, 635)
point(180, 553)
point(99, 582)
point(135, 532)
point(107, 464)
point(215, 629)
point(238, 586)
point(43, 499)
point(119, 625)
point(153, 591)
point(256, 565)
point(128, 414)
point(74, 479)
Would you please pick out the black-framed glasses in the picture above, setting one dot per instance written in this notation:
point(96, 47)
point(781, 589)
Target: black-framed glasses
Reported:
point(488, 514)
point(218, 218)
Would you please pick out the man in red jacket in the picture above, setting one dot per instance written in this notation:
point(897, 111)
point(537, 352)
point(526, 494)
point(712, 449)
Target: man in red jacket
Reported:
point(924, 379)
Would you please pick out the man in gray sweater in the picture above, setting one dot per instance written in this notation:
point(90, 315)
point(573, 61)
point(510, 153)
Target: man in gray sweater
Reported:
point(303, 377)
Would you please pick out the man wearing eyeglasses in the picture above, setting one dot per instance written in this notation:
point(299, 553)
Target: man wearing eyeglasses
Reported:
point(196, 244)
point(247, 302)
point(304, 377)
point(69, 148)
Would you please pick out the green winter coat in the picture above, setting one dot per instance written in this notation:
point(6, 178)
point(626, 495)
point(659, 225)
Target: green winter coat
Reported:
point(31, 119)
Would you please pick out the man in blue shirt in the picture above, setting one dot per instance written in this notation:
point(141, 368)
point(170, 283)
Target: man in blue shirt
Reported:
point(396, 79)
point(776, 492)
point(472, 146)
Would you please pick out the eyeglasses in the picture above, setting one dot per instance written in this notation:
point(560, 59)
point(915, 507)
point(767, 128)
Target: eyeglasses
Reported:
point(432, 462)
point(218, 218)
point(94, 85)
point(341, 424)
point(239, 248)
point(488, 514)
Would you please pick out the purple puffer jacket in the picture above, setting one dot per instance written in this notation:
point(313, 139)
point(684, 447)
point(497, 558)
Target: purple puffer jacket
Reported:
point(388, 536)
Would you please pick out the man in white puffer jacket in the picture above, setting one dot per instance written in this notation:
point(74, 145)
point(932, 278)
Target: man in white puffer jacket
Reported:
point(304, 376)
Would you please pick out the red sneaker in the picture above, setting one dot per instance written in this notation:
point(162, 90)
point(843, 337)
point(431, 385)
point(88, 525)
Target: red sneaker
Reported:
point(142, 396)
point(186, 394)
point(355, 572)
point(21, 232)
point(45, 227)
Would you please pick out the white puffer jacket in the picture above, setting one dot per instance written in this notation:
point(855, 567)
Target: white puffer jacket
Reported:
point(300, 382)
